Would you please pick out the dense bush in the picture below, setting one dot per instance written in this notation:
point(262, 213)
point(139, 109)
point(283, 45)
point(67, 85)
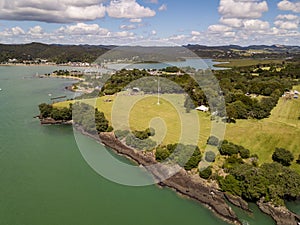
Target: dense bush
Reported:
point(283, 156)
point(206, 173)
point(187, 156)
point(212, 140)
point(90, 119)
point(210, 156)
point(272, 181)
point(228, 148)
point(139, 144)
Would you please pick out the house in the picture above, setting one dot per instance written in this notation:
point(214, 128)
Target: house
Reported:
point(202, 108)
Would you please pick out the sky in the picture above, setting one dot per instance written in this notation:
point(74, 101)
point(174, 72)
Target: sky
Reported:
point(148, 22)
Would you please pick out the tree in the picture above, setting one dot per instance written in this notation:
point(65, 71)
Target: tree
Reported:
point(188, 104)
point(212, 140)
point(45, 110)
point(206, 173)
point(283, 156)
point(298, 160)
point(161, 154)
point(210, 156)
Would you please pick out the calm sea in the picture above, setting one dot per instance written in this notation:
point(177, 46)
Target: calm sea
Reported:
point(45, 181)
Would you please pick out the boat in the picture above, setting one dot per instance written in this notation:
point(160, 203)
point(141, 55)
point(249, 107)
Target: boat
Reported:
point(0, 89)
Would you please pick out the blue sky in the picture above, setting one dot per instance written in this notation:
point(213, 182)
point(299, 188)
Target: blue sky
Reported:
point(125, 22)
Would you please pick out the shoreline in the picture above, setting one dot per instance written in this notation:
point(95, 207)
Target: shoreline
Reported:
point(182, 182)
point(187, 185)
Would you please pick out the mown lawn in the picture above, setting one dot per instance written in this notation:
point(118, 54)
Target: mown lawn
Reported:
point(171, 123)
point(281, 129)
point(247, 62)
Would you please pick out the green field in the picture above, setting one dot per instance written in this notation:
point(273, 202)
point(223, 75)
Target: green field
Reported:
point(247, 62)
point(281, 129)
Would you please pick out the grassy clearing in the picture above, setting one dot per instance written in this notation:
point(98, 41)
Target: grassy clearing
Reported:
point(171, 122)
point(247, 62)
point(281, 129)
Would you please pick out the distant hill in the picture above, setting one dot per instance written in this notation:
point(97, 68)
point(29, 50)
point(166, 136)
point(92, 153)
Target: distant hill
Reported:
point(89, 53)
point(253, 51)
point(55, 53)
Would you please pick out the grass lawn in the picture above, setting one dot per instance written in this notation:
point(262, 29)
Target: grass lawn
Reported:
point(169, 119)
point(247, 62)
point(281, 129)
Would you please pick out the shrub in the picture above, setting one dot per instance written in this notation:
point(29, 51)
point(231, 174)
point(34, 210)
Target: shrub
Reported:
point(206, 173)
point(212, 140)
point(210, 156)
point(283, 156)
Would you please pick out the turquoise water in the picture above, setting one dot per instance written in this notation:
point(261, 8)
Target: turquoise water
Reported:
point(45, 181)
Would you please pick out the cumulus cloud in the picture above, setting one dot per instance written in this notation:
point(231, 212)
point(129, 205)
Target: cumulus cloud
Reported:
point(83, 29)
point(242, 9)
point(128, 9)
point(128, 27)
point(287, 17)
point(232, 22)
point(195, 33)
point(256, 25)
point(219, 28)
point(136, 20)
point(163, 7)
point(287, 25)
point(286, 5)
point(66, 11)
point(58, 11)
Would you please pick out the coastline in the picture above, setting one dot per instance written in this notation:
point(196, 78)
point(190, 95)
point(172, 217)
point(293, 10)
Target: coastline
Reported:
point(183, 183)
point(187, 185)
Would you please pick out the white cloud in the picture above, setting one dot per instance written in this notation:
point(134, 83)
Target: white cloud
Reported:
point(154, 32)
point(256, 25)
point(287, 17)
point(163, 7)
point(36, 31)
point(136, 20)
point(195, 33)
point(128, 9)
point(219, 28)
point(286, 5)
point(128, 27)
point(83, 29)
point(287, 25)
point(242, 9)
point(59, 11)
point(232, 22)
point(17, 31)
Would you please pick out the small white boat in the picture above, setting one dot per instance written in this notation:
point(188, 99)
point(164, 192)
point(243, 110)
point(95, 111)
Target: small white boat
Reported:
point(0, 89)
point(49, 95)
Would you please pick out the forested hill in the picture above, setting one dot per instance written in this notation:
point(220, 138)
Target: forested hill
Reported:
point(253, 51)
point(89, 53)
point(54, 53)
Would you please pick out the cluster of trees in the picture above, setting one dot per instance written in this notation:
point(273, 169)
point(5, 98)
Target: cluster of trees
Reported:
point(272, 181)
point(187, 156)
point(90, 118)
point(48, 111)
point(121, 79)
point(139, 140)
point(229, 149)
point(283, 156)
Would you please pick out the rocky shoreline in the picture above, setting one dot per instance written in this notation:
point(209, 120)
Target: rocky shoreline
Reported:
point(188, 185)
point(182, 182)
